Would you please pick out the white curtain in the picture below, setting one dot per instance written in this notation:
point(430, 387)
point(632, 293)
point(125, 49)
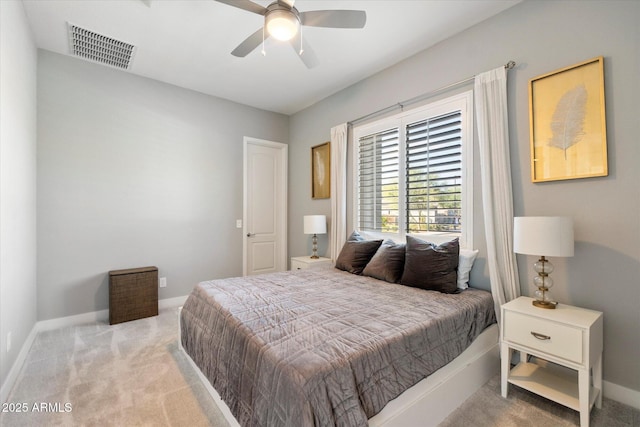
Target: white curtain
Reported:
point(338, 189)
point(497, 197)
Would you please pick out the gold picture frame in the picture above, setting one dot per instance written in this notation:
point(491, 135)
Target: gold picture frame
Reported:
point(321, 171)
point(568, 133)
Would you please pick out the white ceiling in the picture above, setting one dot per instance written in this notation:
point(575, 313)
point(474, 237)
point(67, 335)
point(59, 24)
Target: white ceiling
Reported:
point(188, 43)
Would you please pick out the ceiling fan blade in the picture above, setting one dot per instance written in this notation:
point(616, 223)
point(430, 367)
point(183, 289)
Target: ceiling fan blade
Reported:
point(249, 44)
point(245, 5)
point(334, 18)
point(287, 2)
point(308, 56)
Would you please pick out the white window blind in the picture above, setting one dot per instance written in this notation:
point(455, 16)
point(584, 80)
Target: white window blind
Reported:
point(434, 174)
point(413, 170)
point(379, 181)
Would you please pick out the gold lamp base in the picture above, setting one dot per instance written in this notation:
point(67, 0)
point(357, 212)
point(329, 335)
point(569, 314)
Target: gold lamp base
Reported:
point(544, 304)
point(543, 282)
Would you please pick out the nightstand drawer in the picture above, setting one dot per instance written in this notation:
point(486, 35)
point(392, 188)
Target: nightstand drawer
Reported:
point(298, 265)
point(304, 262)
point(550, 337)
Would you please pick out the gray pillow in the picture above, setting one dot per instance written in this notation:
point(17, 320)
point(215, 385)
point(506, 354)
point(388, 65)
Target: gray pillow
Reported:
point(430, 266)
point(355, 237)
point(388, 262)
point(355, 255)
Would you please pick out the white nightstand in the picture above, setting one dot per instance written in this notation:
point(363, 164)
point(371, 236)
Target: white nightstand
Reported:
point(567, 336)
point(302, 262)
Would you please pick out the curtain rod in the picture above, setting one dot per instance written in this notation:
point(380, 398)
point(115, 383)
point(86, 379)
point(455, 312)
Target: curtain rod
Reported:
point(509, 65)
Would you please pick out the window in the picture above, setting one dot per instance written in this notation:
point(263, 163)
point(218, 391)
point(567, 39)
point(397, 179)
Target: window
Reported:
point(414, 172)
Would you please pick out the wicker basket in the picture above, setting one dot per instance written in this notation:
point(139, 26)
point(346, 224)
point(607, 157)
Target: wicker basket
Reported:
point(133, 294)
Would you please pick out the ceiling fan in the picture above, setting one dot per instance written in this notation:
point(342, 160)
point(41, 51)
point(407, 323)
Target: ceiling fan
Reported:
point(282, 21)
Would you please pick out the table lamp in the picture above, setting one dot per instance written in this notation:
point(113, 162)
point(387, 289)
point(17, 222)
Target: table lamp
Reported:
point(543, 236)
point(315, 224)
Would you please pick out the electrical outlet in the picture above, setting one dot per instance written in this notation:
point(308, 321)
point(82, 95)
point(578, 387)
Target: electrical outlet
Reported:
point(8, 342)
point(238, 223)
point(163, 282)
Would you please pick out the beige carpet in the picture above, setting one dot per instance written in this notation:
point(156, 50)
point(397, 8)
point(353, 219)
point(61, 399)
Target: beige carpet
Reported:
point(130, 374)
point(133, 374)
point(524, 409)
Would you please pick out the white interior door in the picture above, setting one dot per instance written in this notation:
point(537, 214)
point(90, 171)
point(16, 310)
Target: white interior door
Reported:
point(265, 206)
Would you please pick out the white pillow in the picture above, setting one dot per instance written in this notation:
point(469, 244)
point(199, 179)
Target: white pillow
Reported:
point(465, 262)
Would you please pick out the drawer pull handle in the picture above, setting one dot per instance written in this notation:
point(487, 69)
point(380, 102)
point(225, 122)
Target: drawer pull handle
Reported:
point(540, 336)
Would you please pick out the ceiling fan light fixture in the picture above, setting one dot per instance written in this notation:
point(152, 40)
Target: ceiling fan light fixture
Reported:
point(282, 24)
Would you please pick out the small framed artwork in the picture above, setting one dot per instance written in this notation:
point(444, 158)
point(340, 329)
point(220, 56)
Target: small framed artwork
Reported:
point(567, 123)
point(321, 171)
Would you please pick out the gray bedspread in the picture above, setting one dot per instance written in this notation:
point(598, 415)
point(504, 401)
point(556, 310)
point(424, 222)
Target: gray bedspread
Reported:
point(322, 347)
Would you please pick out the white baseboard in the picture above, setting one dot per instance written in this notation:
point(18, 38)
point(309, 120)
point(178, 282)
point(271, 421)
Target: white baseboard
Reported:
point(78, 319)
point(172, 302)
point(99, 316)
point(621, 394)
point(62, 322)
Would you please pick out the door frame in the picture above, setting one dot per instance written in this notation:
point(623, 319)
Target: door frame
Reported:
point(283, 208)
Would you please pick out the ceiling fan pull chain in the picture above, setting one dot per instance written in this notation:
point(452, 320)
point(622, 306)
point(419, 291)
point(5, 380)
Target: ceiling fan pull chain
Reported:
point(264, 52)
point(301, 49)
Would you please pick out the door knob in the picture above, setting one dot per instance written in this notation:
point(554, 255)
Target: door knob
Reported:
point(250, 234)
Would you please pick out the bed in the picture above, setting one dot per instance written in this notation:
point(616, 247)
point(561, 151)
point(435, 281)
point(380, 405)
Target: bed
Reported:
point(325, 347)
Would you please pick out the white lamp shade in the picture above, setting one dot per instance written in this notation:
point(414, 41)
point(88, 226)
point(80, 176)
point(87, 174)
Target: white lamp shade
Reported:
point(543, 235)
point(315, 224)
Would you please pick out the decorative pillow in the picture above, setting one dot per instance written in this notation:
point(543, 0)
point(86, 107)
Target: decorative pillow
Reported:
point(431, 267)
point(465, 262)
point(355, 255)
point(355, 237)
point(388, 262)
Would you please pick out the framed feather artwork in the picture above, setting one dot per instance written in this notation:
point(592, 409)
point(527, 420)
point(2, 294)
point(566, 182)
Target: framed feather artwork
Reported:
point(321, 171)
point(567, 123)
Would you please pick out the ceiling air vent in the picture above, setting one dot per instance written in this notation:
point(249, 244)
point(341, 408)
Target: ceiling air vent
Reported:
point(96, 47)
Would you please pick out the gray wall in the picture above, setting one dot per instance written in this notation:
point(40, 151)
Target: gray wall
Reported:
point(540, 36)
point(18, 59)
point(135, 172)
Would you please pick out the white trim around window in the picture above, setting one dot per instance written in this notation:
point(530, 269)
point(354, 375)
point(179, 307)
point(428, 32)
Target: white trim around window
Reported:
point(390, 135)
